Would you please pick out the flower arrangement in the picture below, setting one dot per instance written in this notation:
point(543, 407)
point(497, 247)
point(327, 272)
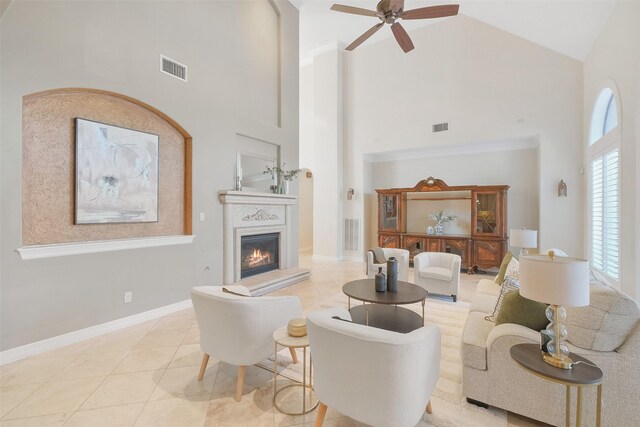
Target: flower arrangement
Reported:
point(282, 173)
point(441, 218)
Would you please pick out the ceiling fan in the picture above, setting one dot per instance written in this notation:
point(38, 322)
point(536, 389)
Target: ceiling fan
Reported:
point(389, 12)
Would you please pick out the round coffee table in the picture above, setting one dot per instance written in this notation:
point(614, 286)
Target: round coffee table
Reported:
point(382, 310)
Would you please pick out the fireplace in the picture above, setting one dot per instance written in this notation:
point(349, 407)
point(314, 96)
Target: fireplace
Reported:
point(259, 253)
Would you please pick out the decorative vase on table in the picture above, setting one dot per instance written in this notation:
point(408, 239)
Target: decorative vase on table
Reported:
point(392, 274)
point(381, 281)
point(439, 230)
point(286, 187)
point(430, 230)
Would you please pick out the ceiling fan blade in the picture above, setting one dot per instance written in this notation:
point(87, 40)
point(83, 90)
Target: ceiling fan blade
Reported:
point(357, 42)
point(431, 12)
point(396, 5)
point(353, 10)
point(402, 37)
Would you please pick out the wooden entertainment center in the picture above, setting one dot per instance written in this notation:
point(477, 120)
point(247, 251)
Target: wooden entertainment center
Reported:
point(482, 242)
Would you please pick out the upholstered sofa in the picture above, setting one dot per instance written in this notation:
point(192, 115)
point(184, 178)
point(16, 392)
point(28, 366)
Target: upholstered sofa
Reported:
point(607, 332)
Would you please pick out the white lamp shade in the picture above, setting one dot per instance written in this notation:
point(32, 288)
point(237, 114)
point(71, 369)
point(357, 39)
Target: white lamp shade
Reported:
point(523, 238)
point(559, 280)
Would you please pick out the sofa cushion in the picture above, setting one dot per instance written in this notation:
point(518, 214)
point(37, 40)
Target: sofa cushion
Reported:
point(604, 324)
point(522, 311)
point(513, 269)
point(509, 285)
point(437, 273)
point(503, 268)
point(474, 340)
point(488, 287)
point(483, 303)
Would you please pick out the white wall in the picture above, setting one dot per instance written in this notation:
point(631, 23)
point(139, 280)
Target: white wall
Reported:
point(328, 154)
point(307, 118)
point(516, 168)
point(615, 57)
point(490, 86)
point(305, 209)
point(233, 89)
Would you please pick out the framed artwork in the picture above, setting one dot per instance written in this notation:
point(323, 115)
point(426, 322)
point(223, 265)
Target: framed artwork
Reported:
point(116, 174)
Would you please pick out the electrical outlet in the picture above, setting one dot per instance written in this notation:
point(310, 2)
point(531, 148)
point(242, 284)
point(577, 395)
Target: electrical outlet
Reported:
point(201, 216)
point(128, 297)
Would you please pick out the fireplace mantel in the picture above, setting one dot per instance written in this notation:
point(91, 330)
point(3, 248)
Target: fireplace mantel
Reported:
point(247, 213)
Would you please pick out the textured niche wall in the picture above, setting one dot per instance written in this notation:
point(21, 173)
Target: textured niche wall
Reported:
point(48, 172)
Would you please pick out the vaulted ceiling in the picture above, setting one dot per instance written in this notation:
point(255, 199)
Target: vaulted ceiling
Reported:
point(566, 26)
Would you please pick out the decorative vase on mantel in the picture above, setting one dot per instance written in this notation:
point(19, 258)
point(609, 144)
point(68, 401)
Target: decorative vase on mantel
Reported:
point(439, 230)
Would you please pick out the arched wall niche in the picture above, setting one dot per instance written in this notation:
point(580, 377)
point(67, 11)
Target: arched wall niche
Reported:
point(48, 166)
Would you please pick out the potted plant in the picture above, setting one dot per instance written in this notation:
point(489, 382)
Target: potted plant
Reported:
point(441, 219)
point(284, 177)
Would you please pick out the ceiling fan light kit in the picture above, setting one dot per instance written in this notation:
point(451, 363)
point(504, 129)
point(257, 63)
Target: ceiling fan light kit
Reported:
point(389, 12)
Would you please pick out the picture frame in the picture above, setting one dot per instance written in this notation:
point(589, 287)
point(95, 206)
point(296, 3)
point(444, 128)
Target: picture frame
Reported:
point(116, 174)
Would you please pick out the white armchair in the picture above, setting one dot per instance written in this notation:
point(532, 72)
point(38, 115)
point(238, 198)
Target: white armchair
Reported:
point(238, 329)
point(438, 272)
point(402, 255)
point(374, 376)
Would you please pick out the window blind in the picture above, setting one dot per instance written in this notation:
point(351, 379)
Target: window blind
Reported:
point(605, 213)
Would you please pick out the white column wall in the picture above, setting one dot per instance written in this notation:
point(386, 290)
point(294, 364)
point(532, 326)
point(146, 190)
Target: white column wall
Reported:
point(327, 154)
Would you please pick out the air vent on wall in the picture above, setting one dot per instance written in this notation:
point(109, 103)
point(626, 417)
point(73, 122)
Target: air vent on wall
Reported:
point(351, 234)
point(440, 127)
point(173, 68)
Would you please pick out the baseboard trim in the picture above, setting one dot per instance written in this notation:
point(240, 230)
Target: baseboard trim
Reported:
point(27, 350)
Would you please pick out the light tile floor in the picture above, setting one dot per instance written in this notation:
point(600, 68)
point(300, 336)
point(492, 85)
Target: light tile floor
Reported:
point(145, 375)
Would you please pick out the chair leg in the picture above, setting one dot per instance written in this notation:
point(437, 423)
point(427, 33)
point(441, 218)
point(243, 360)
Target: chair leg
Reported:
point(240, 383)
point(455, 298)
point(429, 408)
point(294, 355)
point(203, 366)
point(322, 411)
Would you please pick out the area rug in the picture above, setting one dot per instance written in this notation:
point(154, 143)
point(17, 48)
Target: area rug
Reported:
point(450, 407)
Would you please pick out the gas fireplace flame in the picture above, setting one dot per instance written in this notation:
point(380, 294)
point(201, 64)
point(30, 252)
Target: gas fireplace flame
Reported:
point(257, 258)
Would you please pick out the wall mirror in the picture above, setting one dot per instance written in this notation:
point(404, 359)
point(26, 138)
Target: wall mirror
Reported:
point(252, 159)
point(421, 204)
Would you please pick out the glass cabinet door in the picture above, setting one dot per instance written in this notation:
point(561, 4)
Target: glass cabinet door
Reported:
point(487, 218)
point(389, 212)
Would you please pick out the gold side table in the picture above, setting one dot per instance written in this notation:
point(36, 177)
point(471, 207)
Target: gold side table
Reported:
point(585, 374)
point(282, 338)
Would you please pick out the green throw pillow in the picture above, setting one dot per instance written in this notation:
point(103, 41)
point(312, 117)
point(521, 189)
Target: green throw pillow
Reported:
point(503, 268)
point(522, 311)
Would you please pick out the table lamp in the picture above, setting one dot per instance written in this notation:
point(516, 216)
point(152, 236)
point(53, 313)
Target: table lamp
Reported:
point(557, 281)
point(523, 239)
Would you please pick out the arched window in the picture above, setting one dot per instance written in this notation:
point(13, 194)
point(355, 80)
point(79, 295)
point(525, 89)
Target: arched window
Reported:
point(605, 115)
point(603, 154)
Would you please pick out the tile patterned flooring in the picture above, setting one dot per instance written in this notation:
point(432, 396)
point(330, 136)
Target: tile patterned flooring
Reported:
point(145, 375)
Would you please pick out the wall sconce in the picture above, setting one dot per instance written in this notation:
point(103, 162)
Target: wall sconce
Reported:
point(350, 193)
point(562, 188)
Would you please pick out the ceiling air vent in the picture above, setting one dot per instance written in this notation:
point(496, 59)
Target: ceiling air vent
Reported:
point(440, 127)
point(173, 68)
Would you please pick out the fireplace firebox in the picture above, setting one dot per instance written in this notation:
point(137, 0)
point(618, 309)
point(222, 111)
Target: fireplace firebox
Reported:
point(259, 253)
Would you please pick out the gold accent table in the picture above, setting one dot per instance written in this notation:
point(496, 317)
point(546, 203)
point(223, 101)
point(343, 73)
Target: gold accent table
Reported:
point(584, 374)
point(282, 338)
